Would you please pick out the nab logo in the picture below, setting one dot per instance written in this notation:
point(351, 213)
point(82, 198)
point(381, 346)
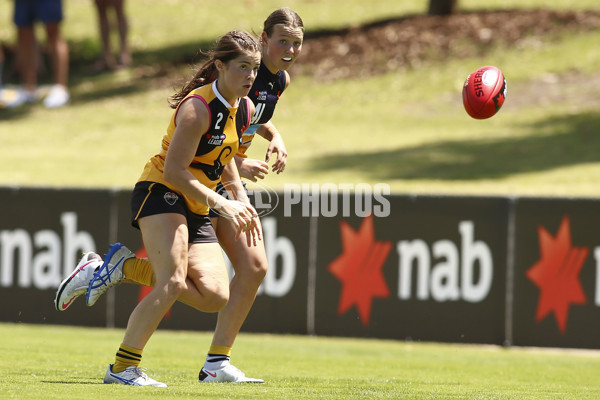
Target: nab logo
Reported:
point(445, 272)
point(556, 274)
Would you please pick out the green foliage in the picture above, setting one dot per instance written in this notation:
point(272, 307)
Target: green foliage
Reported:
point(52, 362)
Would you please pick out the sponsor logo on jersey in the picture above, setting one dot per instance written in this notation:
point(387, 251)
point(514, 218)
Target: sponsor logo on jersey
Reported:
point(215, 140)
point(171, 198)
point(262, 95)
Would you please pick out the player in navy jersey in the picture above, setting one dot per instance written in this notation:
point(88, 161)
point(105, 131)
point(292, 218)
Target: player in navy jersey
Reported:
point(265, 93)
point(282, 38)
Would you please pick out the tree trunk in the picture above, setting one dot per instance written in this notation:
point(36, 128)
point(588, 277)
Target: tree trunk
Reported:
point(442, 7)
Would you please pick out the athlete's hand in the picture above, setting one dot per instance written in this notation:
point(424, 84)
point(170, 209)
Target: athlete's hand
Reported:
point(252, 169)
point(254, 234)
point(253, 229)
point(277, 146)
point(244, 218)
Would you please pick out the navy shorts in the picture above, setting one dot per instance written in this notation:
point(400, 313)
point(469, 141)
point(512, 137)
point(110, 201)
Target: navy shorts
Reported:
point(151, 198)
point(29, 11)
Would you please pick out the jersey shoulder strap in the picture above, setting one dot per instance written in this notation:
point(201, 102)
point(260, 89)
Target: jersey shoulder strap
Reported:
point(243, 117)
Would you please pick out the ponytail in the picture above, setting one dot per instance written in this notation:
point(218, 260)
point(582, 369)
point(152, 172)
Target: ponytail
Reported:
point(207, 73)
point(231, 45)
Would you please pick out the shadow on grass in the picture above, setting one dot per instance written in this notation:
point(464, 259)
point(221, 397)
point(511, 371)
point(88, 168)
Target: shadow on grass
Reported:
point(148, 67)
point(7, 114)
point(111, 90)
point(83, 58)
point(556, 142)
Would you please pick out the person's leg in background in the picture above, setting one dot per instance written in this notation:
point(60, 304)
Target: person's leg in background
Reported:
point(59, 54)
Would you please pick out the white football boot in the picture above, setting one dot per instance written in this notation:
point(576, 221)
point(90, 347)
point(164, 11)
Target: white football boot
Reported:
point(109, 274)
point(77, 283)
point(227, 374)
point(134, 376)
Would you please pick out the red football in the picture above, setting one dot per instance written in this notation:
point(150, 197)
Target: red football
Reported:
point(484, 92)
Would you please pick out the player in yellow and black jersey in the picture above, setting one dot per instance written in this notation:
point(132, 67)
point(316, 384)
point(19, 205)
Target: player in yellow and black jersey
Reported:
point(170, 204)
point(216, 149)
point(282, 42)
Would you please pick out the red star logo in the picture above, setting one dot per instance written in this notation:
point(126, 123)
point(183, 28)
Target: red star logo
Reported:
point(358, 268)
point(556, 274)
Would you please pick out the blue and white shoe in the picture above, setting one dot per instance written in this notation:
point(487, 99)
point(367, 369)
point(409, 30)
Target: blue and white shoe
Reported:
point(109, 274)
point(134, 376)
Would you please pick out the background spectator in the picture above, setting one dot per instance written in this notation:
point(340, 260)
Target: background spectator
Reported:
point(50, 13)
point(107, 60)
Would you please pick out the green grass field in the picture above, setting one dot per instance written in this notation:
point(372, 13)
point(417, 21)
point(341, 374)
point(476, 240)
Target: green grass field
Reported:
point(51, 362)
point(421, 142)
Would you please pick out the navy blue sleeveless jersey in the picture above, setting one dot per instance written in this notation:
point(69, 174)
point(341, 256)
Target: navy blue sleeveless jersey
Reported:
point(264, 94)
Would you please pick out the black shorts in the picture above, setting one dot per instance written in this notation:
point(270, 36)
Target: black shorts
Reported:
point(151, 198)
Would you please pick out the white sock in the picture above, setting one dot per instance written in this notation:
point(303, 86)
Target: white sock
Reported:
point(216, 361)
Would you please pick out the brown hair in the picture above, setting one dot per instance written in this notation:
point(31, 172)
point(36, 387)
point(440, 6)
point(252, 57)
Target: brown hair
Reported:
point(283, 16)
point(230, 46)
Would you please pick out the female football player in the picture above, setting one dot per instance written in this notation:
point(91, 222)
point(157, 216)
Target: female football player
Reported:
point(171, 200)
point(282, 39)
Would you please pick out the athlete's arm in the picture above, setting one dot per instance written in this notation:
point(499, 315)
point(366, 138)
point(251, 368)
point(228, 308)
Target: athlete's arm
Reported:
point(251, 168)
point(276, 145)
point(254, 169)
point(192, 122)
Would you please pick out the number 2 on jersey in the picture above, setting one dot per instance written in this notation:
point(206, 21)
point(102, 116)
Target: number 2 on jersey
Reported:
point(219, 119)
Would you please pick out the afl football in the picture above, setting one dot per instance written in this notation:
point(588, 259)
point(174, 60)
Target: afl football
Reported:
point(484, 92)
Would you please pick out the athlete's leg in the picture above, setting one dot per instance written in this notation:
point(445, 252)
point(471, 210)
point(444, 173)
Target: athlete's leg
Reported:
point(207, 284)
point(166, 240)
point(250, 265)
point(199, 290)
